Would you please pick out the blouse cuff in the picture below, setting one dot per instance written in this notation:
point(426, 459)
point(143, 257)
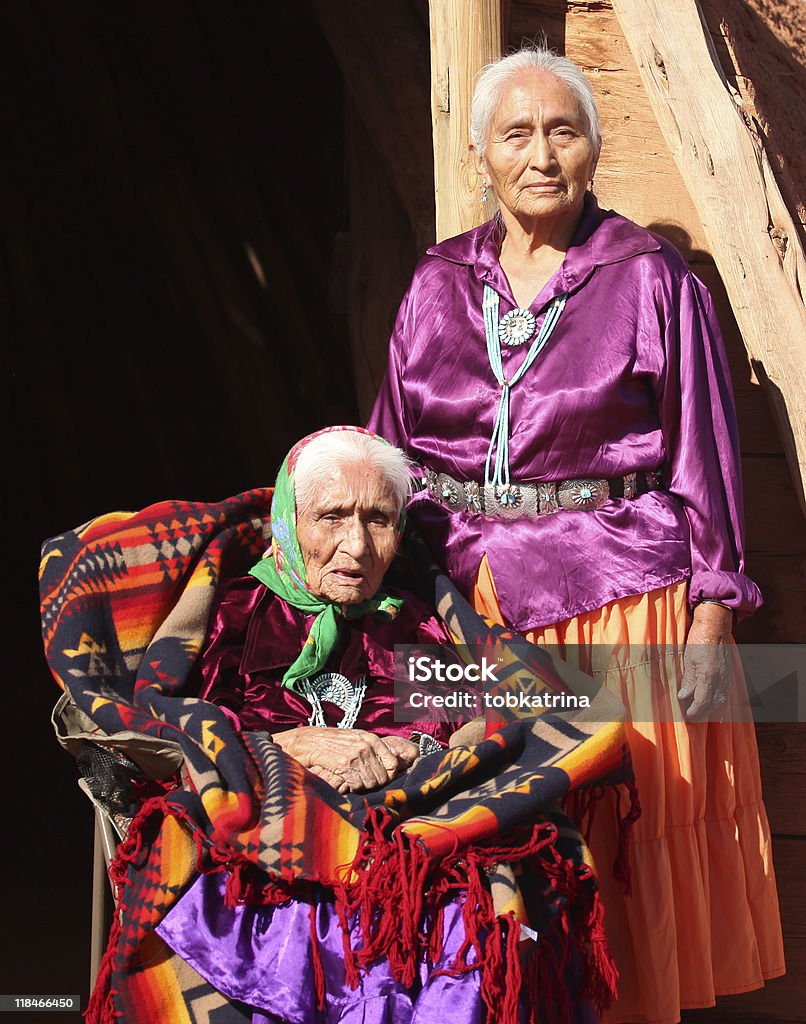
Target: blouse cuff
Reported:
point(733, 589)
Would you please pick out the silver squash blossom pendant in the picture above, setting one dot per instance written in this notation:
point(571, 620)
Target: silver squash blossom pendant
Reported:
point(336, 689)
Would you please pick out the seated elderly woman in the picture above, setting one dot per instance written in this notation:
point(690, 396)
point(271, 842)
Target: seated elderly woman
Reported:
point(315, 857)
point(303, 648)
point(305, 642)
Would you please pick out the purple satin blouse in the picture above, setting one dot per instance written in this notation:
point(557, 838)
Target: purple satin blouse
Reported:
point(254, 636)
point(634, 377)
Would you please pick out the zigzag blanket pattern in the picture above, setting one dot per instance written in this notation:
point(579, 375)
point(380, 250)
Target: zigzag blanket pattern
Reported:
point(124, 605)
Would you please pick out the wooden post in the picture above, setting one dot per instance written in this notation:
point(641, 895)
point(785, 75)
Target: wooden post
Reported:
point(465, 35)
point(752, 235)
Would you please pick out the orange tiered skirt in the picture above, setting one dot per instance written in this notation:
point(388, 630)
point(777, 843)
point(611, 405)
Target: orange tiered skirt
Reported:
point(702, 919)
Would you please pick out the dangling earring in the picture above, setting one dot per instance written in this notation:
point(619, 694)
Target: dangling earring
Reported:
point(590, 184)
point(485, 195)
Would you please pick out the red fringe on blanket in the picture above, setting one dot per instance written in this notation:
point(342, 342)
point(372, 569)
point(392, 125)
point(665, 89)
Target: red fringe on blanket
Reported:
point(581, 806)
point(397, 896)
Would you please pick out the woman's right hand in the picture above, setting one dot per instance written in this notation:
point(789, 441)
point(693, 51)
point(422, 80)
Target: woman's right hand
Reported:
point(351, 760)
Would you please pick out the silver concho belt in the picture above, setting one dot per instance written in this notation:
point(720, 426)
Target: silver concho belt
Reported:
point(530, 500)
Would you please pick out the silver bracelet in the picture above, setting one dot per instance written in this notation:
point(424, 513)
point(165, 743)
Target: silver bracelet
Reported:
point(714, 600)
point(426, 743)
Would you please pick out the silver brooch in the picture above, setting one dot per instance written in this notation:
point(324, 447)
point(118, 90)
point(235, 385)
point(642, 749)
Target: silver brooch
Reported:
point(516, 327)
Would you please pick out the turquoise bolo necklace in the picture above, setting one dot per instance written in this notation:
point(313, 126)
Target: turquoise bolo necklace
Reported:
point(513, 329)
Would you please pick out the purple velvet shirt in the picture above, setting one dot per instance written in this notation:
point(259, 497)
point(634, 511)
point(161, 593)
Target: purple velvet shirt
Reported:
point(254, 636)
point(633, 377)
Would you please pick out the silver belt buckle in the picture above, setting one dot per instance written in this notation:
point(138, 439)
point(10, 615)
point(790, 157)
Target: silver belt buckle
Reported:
point(582, 495)
point(512, 501)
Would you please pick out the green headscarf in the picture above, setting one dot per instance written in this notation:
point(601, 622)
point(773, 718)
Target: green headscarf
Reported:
point(282, 569)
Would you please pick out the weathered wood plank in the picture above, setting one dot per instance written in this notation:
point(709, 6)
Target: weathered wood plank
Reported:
point(773, 522)
point(782, 752)
point(763, 42)
point(758, 430)
point(789, 855)
point(378, 259)
point(465, 35)
point(382, 51)
point(755, 242)
point(782, 618)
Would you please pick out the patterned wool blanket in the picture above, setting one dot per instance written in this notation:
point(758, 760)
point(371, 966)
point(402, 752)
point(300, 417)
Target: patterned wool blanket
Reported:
point(124, 605)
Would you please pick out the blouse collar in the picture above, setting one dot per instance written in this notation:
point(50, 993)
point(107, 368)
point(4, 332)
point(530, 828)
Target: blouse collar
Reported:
point(602, 237)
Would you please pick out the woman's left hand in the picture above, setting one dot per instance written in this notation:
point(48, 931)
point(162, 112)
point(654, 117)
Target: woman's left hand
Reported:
point(706, 662)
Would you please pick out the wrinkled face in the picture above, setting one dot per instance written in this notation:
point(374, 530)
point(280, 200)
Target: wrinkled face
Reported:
point(539, 157)
point(347, 534)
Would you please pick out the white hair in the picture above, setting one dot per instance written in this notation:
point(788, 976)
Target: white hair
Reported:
point(338, 449)
point(495, 77)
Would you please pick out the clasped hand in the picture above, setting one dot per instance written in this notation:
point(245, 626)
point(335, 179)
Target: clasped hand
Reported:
point(706, 662)
point(350, 760)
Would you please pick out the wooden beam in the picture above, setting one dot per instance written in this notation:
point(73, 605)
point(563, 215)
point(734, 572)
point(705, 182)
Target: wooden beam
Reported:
point(381, 51)
point(380, 254)
point(465, 35)
point(750, 231)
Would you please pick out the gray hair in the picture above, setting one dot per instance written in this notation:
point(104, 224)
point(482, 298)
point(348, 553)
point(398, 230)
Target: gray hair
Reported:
point(337, 449)
point(494, 78)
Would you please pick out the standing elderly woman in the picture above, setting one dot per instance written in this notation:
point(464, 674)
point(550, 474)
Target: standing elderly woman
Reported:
point(559, 375)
